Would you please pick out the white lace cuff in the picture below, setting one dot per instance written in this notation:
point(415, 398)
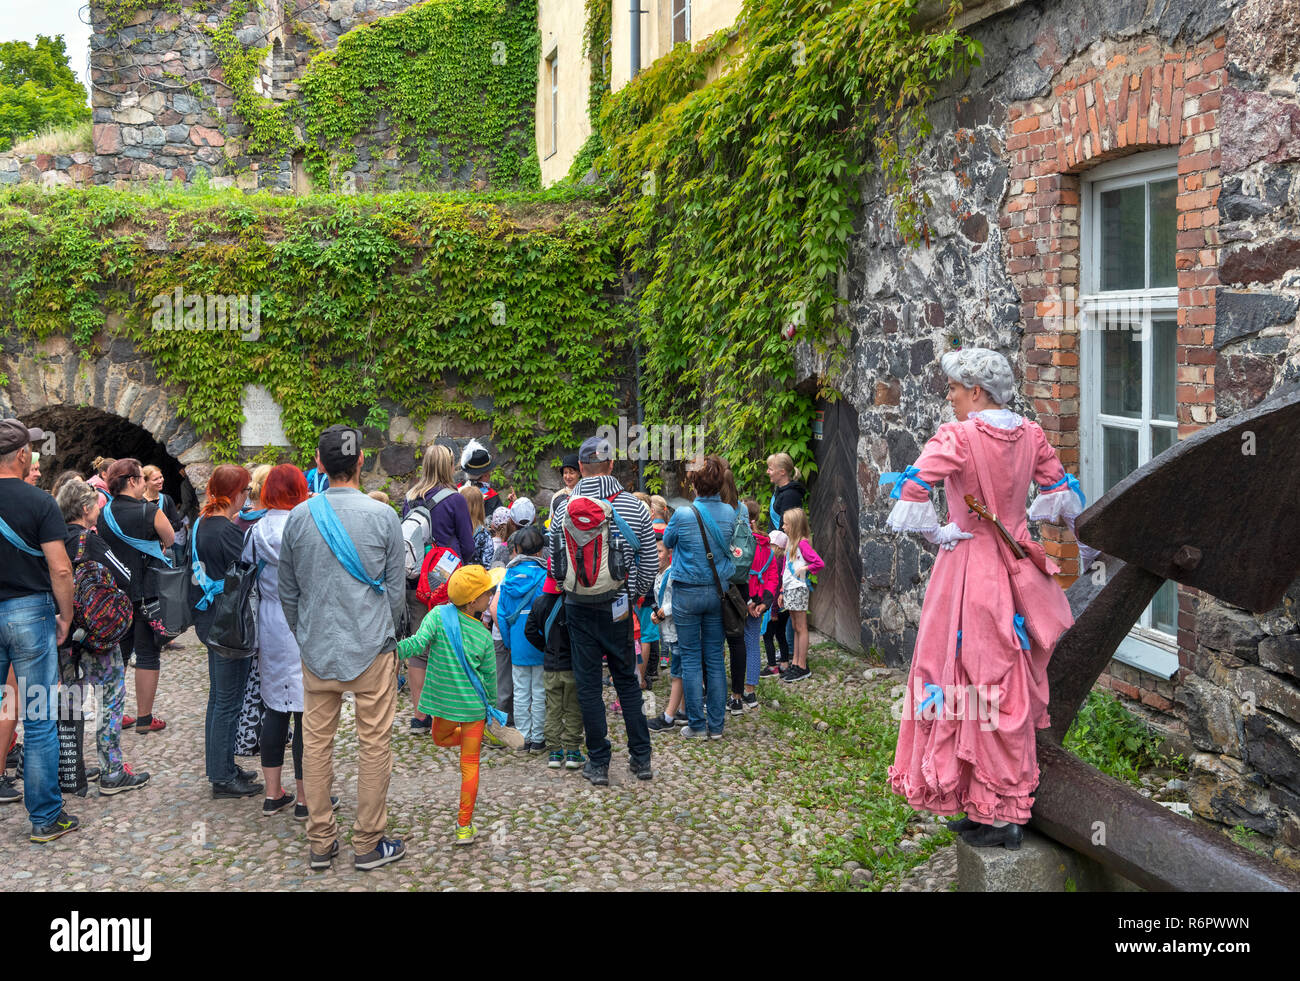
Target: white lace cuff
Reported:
point(1055, 506)
point(913, 516)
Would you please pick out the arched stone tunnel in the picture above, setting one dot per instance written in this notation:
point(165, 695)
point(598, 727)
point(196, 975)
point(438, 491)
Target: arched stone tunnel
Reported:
point(82, 433)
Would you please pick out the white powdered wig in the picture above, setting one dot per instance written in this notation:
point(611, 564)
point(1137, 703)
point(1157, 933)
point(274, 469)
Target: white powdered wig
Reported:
point(978, 366)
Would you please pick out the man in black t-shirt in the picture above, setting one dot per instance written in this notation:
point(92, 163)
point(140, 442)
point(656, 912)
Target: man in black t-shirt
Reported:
point(35, 617)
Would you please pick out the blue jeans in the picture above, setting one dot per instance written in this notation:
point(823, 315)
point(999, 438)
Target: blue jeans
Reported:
point(27, 642)
point(698, 613)
point(226, 681)
point(593, 634)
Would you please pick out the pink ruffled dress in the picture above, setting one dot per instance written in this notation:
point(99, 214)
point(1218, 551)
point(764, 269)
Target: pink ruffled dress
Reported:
point(977, 688)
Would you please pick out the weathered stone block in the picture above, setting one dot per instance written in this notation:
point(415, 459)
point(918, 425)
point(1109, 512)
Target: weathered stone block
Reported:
point(1222, 789)
point(1273, 748)
point(397, 459)
point(1281, 654)
point(1265, 690)
point(1213, 716)
point(133, 116)
point(153, 136)
point(1240, 314)
point(202, 136)
point(1039, 865)
point(1263, 264)
point(1226, 628)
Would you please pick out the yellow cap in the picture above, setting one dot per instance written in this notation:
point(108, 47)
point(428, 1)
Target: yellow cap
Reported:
point(469, 582)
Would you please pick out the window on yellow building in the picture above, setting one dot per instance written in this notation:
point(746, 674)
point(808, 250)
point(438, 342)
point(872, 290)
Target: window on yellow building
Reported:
point(553, 103)
point(681, 21)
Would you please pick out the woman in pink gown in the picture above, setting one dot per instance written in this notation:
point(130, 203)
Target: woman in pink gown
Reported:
point(977, 688)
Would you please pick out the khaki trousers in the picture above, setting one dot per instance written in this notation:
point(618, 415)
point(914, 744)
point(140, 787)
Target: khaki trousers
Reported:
point(375, 698)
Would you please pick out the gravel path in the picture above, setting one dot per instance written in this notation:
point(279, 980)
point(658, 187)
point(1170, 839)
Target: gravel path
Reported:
point(708, 820)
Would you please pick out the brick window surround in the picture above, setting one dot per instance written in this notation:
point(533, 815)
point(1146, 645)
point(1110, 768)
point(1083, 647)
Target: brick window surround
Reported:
point(1121, 97)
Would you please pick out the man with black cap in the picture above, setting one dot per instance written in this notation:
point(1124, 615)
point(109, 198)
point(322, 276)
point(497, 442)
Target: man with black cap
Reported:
point(343, 590)
point(35, 617)
point(604, 628)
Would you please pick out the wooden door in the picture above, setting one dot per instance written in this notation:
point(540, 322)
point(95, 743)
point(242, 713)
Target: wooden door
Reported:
point(833, 510)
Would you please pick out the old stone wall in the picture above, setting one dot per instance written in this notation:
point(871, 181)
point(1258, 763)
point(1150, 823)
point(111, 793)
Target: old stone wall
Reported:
point(162, 110)
point(47, 169)
point(1064, 87)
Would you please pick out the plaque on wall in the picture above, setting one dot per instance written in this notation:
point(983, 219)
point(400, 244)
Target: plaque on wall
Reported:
point(262, 426)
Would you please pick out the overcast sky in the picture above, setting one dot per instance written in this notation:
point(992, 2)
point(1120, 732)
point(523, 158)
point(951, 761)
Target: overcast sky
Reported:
point(22, 20)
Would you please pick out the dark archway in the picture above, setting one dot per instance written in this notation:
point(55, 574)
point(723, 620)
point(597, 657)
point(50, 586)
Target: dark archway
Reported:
point(82, 434)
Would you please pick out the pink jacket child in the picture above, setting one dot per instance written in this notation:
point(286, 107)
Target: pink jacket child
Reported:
point(764, 573)
point(977, 688)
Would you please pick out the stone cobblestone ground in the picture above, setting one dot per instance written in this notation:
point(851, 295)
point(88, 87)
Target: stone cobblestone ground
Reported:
point(760, 810)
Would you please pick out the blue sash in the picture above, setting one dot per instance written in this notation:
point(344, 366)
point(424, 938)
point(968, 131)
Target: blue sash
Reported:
point(212, 588)
point(762, 623)
point(550, 620)
point(253, 515)
point(451, 626)
point(336, 537)
point(772, 516)
point(153, 549)
point(12, 538)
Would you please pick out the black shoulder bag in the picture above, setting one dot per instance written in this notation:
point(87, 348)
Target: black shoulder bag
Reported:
point(734, 607)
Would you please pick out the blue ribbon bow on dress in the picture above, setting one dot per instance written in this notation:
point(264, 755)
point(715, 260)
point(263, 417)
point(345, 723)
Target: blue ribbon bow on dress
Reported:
point(897, 479)
point(1070, 481)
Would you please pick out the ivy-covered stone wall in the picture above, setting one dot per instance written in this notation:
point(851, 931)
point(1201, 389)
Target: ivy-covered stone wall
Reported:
point(287, 96)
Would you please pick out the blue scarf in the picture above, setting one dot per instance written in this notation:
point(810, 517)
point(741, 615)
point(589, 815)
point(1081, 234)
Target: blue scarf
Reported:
point(336, 537)
point(451, 627)
point(153, 549)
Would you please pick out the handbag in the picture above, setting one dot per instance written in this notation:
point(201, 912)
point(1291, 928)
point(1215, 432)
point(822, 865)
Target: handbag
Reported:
point(1045, 626)
point(233, 633)
point(734, 608)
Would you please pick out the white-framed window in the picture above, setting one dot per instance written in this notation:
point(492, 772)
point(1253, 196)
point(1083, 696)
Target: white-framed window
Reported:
point(1128, 318)
point(553, 102)
point(681, 21)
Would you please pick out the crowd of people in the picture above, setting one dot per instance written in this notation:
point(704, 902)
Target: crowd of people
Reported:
point(500, 622)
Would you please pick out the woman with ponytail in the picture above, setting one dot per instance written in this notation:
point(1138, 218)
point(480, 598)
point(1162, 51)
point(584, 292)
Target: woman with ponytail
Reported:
point(218, 543)
point(136, 531)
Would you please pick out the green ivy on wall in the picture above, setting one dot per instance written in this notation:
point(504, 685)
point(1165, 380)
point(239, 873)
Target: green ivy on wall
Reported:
point(433, 301)
point(270, 124)
point(736, 198)
point(454, 79)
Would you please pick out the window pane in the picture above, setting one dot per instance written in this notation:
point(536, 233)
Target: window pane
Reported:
point(1162, 437)
point(1122, 373)
point(1123, 238)
point(1164, 608)
point(1164, 369)
point(679, 21)
point(1164, 227)
point(1119, 456)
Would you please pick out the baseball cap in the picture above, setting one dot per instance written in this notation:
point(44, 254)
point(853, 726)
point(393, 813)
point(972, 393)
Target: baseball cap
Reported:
point(595, 449)
point(778, 539)
point(469, 582)
point(339, 448)
point(522, 511)
point(14, 435)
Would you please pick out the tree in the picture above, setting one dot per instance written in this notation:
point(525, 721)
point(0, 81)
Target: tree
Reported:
point(38, 89)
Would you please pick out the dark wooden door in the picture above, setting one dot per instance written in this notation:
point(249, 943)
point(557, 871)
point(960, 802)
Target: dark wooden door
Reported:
point(833, 510)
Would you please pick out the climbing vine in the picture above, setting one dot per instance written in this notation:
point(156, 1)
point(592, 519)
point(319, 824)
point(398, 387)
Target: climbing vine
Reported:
point(270, 124)
point(454, 79)
point(501, 308)
point(736, 199)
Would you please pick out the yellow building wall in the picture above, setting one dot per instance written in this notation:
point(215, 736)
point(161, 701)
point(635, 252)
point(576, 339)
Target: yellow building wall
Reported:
point(562, 24)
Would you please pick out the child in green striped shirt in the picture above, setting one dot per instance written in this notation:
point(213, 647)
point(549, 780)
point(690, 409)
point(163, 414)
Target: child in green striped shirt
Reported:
point(449, 695)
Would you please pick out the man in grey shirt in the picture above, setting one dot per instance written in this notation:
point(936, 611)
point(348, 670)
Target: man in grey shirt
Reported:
point(347, 631)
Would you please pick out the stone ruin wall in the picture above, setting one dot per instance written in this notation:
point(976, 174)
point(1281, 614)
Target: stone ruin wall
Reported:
point(1005, 221)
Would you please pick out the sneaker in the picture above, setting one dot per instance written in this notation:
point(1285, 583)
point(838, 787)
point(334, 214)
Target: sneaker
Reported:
point(598, 775)
point(466, 835)
point(92, 774)
point(235, 788)
point(660, 724)
point(422, 725)
point(64, 823)
point(276, 805)
point(804, 673)
point(781, 672)
point(300, 810)
point(690, 733)
point(715, 735)
point(771, 671)
point(574, 760)
point(556, 759)
point(538, 747)
point(388, 850)
point(9, 794)
point(751, 700)
point(641, 771)
point(736, 707)
point(126, 779)
point(679, 720)
point(324, 861)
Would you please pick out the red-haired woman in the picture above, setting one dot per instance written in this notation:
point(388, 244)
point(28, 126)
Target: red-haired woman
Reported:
point(279, 660)
point(217, 543)
point(135, 530)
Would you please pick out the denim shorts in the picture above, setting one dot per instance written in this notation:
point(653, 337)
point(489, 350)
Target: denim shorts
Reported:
point(674, 661)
